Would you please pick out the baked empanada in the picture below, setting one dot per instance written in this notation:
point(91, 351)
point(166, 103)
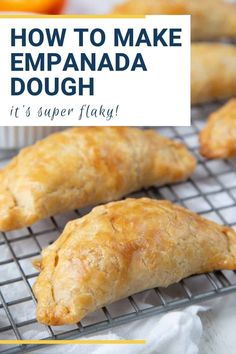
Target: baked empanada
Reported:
point(86, 166)
point(218, 138)
point(211, 19)
point(213, 73)
point(123, 248)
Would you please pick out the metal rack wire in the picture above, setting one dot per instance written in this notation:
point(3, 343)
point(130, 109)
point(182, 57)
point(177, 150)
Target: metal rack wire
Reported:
point(211, 191)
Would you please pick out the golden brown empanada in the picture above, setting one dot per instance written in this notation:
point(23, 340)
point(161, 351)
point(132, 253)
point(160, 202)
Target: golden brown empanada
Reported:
point(211, 19)
point(218, 138)
point(213, 73)
point(123, 248)
point(86, 166)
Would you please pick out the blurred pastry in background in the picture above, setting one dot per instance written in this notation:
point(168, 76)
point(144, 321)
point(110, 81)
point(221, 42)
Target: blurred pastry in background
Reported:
point(35, 6)
point(86, 166)
point(211, 19)
point(213, 72)
point(218, 138)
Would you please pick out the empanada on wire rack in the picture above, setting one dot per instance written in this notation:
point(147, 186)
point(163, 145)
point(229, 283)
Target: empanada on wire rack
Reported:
point(86, 166)
point(123, 248)
point(218, 137)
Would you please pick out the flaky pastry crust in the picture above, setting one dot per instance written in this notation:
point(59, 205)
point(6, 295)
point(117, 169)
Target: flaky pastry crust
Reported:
point(213, 73)
point(218, 137)
point(123, 248)
point(86, 166)
point(211, 19)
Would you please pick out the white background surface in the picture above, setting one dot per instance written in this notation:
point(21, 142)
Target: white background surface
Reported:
point(90, 6)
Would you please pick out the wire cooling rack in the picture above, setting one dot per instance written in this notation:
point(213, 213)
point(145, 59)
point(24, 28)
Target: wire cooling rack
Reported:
point(211, 191)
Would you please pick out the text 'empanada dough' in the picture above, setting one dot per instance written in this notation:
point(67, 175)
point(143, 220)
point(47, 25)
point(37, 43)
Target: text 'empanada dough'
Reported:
point(218, 138)
point(211, 19)
point(213, 72)
point(123, 248)
point(86, 166)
